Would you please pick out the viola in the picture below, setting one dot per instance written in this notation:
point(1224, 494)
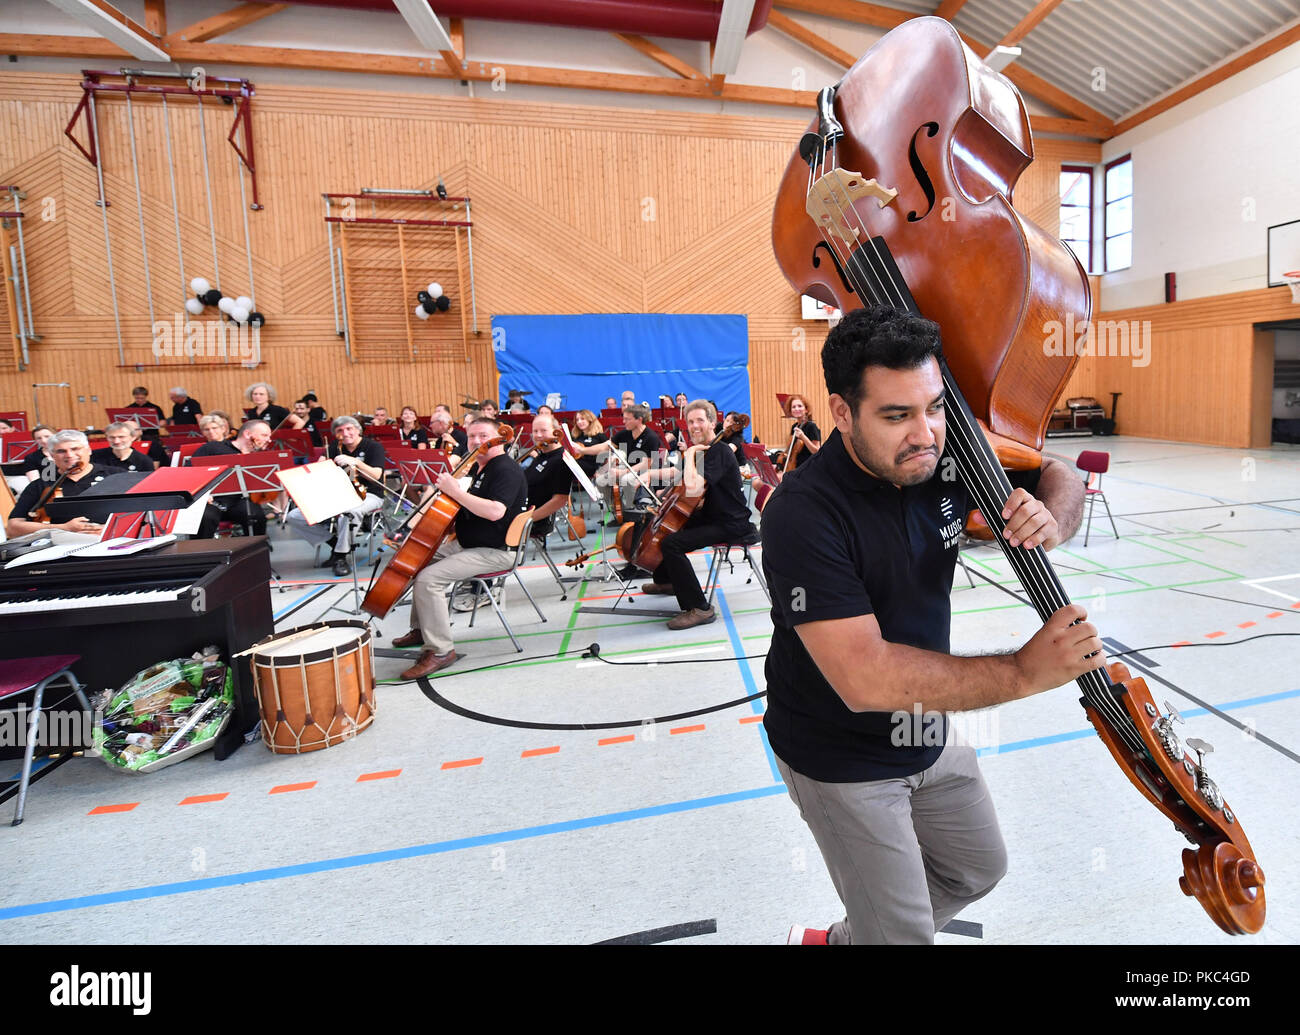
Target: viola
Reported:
point(428, 526)
point(900, 194)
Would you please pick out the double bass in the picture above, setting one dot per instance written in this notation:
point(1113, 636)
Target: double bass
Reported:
point(429, 526)
point(899, 194)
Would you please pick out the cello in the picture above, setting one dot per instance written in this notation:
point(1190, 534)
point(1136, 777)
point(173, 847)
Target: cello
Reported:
point(899, 194)
point(430, 524)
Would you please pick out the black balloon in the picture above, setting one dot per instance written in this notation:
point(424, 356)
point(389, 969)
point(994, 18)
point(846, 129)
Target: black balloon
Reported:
point(211, 297)
point(423, 296)
point(444, 303)
point(256, 319)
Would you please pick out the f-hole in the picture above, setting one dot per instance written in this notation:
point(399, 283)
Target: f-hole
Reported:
point(816, 261)
point(922, 177)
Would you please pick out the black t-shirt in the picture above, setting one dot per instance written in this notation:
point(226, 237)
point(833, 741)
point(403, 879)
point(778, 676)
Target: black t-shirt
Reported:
point(814, 433)
point(135, 460)
point(838, 543)
point(724, 499)
point(590, 463)
point(318, 423)
point(30, 496)
point(643, 445)
point(547, 475)
point(273, 415)
point(415, 438)
point(216, 449)
point(37, 461)
point(369, 451)
point(186, 412)
point(501, 480)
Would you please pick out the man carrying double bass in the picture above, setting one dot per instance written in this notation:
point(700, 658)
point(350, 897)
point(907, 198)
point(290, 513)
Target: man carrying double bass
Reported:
point(709, 469)
point(498, 493)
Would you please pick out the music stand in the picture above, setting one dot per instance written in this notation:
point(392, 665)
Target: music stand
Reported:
point(145, 416)
point(757, 456)
point(247, 472)
point(153, 501)
point(322, 492)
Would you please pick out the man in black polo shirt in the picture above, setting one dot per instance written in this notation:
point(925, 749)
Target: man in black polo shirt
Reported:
point(184, 409)
point(363, 460)
point(548, 476)
point(71, 453)
point(254, 436)
point(497, 494)
point(859, 547)
point(152, 447)
point(120, 453)
point(445, 435)
point(709, 467)
point(642, 447)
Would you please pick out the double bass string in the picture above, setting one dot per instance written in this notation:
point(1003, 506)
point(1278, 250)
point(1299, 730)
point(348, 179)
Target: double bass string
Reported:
point(1031, 567)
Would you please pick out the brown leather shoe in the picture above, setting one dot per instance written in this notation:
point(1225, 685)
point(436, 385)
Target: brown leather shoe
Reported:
point(693, 617)
point(414, 638)
point(430, 663)
point(662, 589)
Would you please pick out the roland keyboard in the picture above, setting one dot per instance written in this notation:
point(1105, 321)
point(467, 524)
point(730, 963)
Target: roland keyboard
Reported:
point(123, 614)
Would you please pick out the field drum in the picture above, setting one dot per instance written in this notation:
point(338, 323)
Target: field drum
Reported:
point(315, 685)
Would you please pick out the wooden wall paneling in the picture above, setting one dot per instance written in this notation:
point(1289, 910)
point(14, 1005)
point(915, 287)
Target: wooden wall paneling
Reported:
point(1263, 353)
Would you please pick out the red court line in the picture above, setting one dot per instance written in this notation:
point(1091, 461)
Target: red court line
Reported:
point(540, 751)
point(751, 718)
point(1215, 635)
point(387, 774)
point(615, 740)
point(462, 763)
point(1275, 614)
point(687, 729)
point(1244, 625)
point(201, 799)
point(285, 788)
point(102, 809)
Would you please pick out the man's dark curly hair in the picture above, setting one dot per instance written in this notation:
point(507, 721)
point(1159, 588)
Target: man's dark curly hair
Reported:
point(880, 336)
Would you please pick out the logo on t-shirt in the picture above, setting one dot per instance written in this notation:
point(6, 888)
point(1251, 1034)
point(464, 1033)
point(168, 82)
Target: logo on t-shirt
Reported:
point(952, 529)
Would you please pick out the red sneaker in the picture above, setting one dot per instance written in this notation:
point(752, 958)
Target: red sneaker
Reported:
point(806, 936)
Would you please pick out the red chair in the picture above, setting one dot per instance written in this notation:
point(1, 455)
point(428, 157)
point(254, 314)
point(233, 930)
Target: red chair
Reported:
point(1095, 464)
point(22, 676)
point(760, 496)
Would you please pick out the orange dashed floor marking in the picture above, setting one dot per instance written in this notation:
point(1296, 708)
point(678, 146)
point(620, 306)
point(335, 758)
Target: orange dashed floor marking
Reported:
point(751, 718)
point(285, 788)
point(1215, 635)
point(615, 740)
point(1244, 625)
point(201, 799)
point(687, 729)
point(102, 809)
point(540, 751)
point(387, 774)
point(462, 763)
point(1275, 614)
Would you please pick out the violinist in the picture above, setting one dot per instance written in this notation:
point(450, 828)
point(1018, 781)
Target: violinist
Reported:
point(804, 432)
point(497, 494)
point(445, 435)
point(549, 478)
point(708, 467)
point(410, 432)
point(74, 473)
point(363, 460)
point(589, 435)
point(253, 437)
point(859, 548)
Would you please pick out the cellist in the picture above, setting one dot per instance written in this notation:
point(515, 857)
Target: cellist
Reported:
point(709, 468)
point(859, 549)
point(497, 494)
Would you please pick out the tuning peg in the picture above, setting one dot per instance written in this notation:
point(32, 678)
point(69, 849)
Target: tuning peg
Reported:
point(1173, 712)
point(1201, 747)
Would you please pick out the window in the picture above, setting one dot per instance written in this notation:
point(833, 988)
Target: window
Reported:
point(1119, 214)
point(1076, 211)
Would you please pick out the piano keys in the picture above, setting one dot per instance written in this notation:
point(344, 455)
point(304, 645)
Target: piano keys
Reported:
point(124, 614)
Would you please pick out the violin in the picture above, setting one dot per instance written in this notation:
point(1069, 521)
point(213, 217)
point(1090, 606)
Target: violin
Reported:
point(428, 526)
point(858, 222)
point(54, 492)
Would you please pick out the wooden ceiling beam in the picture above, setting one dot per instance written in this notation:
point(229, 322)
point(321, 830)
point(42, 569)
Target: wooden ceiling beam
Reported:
point(787, 26)
point(1029, 22)
point(850, 11)
point(657, 53)
point(155, 17)
point(949, 8)
point(226, 21)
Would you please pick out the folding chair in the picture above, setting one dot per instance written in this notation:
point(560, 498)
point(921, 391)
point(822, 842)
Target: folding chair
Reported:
point(22, 676)
point(722, 555)
point(484, 584)
point(1093, 462)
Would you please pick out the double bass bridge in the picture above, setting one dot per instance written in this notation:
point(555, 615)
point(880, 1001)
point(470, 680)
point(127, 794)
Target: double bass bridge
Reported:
point(831, 197)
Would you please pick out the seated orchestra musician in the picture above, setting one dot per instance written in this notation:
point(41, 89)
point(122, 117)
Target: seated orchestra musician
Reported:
point(445, 435)
point(253, 437)
point(149, 444)
point(497, 494)
point(140, 401)
point(39, 461)
point(588, 434)
point(709, 467)
point(74, 471)
point(549, 478)
point(639, 444)
point(410, 431)
point(805, 432)
point(361, 458)
point(121, 453)
point(261, 397)
point(313, 417)
point(381, 418)
point(214, 427)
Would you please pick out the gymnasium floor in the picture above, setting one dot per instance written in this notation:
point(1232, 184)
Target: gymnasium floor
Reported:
point(553, 799)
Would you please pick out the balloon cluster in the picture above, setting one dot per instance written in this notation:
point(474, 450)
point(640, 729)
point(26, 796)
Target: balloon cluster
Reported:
point(238, 309)
point(431, 300)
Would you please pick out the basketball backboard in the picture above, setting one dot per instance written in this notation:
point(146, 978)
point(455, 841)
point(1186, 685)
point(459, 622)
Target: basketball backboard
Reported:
point(1283, 251)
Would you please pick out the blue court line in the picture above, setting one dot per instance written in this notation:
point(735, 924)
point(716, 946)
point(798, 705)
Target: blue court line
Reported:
point(370, 858)
point(438, 848)
point(747, 675)
point(310, 596)
point(1057, 738)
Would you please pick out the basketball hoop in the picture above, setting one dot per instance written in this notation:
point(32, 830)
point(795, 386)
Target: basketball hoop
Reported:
point(1292, 280)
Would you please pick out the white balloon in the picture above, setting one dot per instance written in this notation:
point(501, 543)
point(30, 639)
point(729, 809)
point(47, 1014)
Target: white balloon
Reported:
point(435, 289)
point(200, 286)
point(226, 305)
point(419, 311)
point(244, 302)
point(194, 307)
point(239, 314)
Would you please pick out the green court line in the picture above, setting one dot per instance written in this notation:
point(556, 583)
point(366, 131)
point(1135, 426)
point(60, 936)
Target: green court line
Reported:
point(573, 615)
point(1109, 593)
point(1212, 567)
point(1062, 551)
